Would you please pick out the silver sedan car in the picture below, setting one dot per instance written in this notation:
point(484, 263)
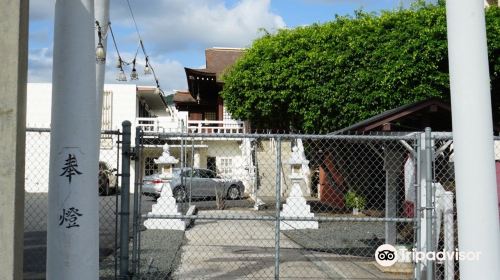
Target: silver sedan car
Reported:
point(201, 182)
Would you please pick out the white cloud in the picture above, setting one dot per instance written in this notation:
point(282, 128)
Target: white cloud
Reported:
point(172, 30)
point(40, 65)
point(173, 25)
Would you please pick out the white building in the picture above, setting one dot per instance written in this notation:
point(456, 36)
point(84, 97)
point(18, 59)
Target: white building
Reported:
point(121, 102)
point(145, 109)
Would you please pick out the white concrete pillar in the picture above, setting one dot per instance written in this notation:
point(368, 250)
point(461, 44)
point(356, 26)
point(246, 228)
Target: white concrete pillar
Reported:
point(13, 78)
point(73, 221)
point(477, 202)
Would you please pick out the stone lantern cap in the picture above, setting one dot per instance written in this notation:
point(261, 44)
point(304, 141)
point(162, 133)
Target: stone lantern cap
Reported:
point(297, 158)
point(166, 158)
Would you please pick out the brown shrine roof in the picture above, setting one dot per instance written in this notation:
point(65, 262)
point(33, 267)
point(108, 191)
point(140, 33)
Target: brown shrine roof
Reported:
point(218, 60)
point(183, 97)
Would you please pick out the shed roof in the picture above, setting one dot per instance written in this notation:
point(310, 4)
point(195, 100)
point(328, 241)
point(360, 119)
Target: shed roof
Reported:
point(433, 112)
point(418, 114)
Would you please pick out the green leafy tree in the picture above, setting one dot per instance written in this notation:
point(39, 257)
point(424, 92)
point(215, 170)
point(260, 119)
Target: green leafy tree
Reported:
point(323, 77)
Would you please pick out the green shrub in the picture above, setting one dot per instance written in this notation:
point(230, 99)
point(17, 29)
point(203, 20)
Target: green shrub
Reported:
point(353, 200)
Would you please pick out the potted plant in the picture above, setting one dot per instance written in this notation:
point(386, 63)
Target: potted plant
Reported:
point(355, 202)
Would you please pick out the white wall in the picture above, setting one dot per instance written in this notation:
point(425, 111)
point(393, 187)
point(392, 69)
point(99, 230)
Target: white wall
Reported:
point(38, 105)
point(38, 115)
point(124, 103)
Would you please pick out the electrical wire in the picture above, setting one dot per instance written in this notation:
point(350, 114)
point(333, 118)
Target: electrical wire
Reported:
point(121, 62)
point(142, 45)
point(114, 41)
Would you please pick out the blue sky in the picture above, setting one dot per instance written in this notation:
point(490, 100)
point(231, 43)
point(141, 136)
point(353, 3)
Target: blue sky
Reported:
point(176, 32)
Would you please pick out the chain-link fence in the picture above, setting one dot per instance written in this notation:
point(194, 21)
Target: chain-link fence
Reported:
point(36, 201)
point(444, 230)
point(234, 206)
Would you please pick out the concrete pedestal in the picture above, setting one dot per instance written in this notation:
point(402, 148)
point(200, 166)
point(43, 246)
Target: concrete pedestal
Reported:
point(296, 206)
point(166, 205)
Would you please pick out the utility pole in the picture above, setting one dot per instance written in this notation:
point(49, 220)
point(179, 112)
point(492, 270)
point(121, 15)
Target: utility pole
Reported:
point(13, 79)
point(73, 221)
point(102, 17)
point(475, 178)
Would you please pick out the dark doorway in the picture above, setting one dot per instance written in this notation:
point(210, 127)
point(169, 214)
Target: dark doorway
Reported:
point(212, 164)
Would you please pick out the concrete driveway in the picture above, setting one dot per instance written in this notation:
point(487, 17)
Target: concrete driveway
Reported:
point(229, 249)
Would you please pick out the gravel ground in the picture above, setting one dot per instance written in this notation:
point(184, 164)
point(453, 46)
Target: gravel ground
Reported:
point(346, 238)
point(160, 252)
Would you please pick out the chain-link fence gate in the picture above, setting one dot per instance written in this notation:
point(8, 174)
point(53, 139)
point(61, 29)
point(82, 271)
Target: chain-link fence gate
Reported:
point(234, 206)
point(36, 202)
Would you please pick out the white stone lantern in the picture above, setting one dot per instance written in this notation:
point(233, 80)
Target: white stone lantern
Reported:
point(166, 204)
point(296, 205)
point(166, 163)
point(296, 162)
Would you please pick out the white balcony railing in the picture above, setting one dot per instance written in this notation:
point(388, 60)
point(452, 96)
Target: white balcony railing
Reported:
point(167, 124)
point(216, 127)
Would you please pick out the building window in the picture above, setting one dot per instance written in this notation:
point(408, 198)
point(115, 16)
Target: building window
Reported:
point(150, 167)
point(210, 116)
point(107, 121)
point(225, 167)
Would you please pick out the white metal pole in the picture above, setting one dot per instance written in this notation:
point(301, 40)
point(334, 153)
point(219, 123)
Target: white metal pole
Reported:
point(73, 229)
point(102, 16)
point(477, 203)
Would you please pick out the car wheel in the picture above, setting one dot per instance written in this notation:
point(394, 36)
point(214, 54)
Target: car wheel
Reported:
point(233, 192)
point(180, 194)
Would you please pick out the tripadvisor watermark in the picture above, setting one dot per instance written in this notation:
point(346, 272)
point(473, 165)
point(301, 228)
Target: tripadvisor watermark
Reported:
point(388, 255)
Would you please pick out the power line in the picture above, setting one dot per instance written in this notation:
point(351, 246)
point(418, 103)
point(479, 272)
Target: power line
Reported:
point(148, 63)
point(148, 68)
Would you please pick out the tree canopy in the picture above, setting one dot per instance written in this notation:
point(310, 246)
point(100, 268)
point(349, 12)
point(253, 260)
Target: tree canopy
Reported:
point(324, 77)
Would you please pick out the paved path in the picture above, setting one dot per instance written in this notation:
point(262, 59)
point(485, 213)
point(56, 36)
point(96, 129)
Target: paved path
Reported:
point(232, 249)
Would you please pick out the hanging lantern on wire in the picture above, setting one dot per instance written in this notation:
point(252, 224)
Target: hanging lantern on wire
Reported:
point(121, 77)
point(147, 69)
point(100, 53)
point(133, 74)
point(157, 89)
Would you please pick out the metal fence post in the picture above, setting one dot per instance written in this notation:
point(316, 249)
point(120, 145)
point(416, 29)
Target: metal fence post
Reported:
point(125, 201)
point(136, 209)
point(418, 204)
point(428, 205)
point(278, 205)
